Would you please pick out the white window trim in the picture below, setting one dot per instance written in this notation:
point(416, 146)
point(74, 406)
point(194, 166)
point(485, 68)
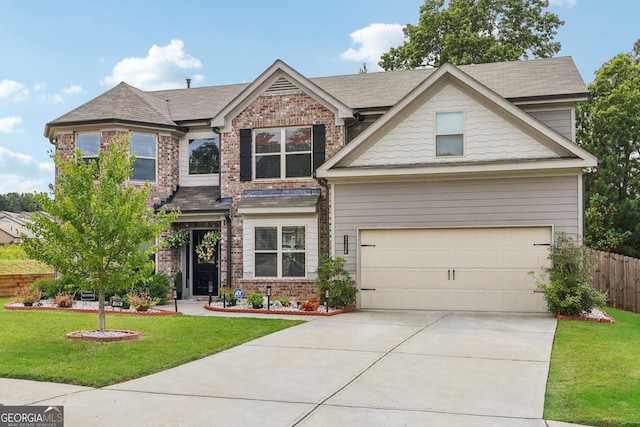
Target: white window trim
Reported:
point(280, 252)
point(282, 153)
point(436, 133)
point(311, 243)
point(188, 157)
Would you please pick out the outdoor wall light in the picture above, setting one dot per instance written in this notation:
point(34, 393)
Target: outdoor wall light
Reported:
point(345, 244)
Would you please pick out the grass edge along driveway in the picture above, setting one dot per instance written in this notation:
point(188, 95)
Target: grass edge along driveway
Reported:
point(594, 377)
point(34, 346)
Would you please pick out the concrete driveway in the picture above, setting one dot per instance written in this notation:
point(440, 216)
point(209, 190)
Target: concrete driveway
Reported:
point(365, 368)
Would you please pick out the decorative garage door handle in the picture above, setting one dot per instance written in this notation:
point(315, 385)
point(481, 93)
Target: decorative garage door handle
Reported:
point(449, 274)
point(367, 289)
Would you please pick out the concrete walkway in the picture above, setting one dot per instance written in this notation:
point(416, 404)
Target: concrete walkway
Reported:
point(364, 368)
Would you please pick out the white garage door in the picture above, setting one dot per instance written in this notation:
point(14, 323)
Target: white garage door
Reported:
point(483, 269)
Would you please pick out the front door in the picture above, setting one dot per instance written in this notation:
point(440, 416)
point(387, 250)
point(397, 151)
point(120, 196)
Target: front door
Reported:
point(205, 272)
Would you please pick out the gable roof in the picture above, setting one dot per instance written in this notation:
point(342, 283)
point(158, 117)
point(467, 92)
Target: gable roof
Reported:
point(279, 75)
point(516, 81)
point(338, 165)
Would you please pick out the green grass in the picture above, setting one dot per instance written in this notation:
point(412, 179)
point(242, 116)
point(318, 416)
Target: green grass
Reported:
point(594, 377)
point(13, 260)
point(33, 344)
point(11, 266)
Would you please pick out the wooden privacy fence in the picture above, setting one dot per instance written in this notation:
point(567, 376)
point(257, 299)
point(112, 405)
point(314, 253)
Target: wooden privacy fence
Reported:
point(618, 276)
point(10, 283)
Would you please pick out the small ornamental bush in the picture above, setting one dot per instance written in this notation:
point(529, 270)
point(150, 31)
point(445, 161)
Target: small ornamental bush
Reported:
point(255, 300)
point(567, 284)
point(333, 276)
point(159, 286)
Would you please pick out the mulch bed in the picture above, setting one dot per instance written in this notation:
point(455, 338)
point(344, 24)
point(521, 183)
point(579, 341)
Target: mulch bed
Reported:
point(597, 315)
point(107, 310)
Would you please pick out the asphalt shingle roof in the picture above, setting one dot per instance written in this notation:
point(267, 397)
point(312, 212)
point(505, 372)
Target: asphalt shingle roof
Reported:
point(552, 77)
point(196, 199)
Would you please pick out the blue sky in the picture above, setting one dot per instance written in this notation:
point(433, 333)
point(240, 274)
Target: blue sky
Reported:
point(56, 56)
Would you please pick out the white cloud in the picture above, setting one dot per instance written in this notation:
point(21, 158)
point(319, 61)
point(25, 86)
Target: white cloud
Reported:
point(165, 67)
point(8, 124)
point(40, 86)
point(64, 94)
point(562, 3)
point(11, 88)
point(22, 173)
point(373, 41)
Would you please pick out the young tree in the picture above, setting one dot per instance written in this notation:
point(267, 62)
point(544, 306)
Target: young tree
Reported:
point(476, 32)
point(100, 230)
point(609, 127)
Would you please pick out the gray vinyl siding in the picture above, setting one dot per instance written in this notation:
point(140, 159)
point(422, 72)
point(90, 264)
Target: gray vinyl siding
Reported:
point(465, 203)
point(558, 120)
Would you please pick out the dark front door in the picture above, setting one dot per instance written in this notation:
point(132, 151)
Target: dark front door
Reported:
point(205, 271)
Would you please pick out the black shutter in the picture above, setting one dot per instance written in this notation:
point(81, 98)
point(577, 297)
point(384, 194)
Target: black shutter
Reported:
point(245, 155)
point(318, 146)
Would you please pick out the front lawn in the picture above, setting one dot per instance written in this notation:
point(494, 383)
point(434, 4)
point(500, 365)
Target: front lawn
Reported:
point(34, 346)
point(594, 377)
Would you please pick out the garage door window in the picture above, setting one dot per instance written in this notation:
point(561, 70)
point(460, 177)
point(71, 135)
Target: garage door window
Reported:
point(280, 251)
point(449, 134)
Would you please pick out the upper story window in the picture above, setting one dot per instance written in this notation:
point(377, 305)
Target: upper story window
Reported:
point(204, 156)
point(449, 134)
point(144, 147)
point(283, 152)
point(89, 144)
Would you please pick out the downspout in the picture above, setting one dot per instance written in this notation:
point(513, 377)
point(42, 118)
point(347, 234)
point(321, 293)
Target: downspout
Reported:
point(323, 182)
point(359, 118)
point(227, 215)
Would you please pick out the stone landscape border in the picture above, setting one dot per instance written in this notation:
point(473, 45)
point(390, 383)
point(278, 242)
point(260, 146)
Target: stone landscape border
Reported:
point(156, 312)
point(605, 319)
point(122, 335)
point(289, 312)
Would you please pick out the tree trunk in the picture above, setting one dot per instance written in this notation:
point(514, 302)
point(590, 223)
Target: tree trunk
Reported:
point(101, 314)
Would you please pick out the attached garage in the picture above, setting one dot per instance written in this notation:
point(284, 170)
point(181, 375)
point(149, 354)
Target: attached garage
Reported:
point(480, 269)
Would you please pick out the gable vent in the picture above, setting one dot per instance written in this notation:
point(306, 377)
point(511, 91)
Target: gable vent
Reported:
point(282, 85)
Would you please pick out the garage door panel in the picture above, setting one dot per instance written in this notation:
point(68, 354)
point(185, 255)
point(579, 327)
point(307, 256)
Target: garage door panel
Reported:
point(453, 269)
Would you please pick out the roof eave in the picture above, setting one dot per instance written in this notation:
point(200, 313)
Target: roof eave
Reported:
point(50, 128)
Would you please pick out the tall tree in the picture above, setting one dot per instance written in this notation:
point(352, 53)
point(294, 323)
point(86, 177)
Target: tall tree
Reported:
point(100, 230)
point(609, 127)
point(475, 32)
point(14, 202)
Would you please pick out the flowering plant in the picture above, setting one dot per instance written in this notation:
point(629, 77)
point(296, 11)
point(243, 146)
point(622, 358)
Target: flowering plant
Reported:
point(178, 238)
point(207, 246)
point(310, 305)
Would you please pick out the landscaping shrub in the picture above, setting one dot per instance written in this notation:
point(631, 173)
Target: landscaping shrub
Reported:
point(567, 284)
point(255, 300)
point(159, 286)
point(52, 287)
point(332, 275)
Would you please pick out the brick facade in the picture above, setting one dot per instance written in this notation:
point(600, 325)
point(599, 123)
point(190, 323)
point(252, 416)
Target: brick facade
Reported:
point(273, 110)
point(268, 110)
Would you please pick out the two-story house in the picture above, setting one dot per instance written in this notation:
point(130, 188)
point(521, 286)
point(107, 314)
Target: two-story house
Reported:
point(442, 188)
